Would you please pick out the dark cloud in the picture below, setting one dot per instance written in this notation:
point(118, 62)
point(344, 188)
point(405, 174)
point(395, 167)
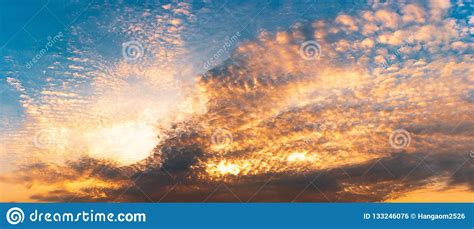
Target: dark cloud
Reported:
point(375, 180)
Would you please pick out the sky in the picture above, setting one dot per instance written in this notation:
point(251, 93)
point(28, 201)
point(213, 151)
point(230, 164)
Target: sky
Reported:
point(236, 101)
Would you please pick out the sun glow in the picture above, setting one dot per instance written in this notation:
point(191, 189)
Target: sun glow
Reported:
point(297, 156)
point(126, 143)
point(228, 168)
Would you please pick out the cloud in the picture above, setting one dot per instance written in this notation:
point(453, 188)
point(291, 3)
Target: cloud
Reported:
point(296, 129)
point(413, 13)
point(387, 18)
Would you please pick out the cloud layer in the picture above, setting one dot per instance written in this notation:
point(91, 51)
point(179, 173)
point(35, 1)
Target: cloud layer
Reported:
point(270, 125)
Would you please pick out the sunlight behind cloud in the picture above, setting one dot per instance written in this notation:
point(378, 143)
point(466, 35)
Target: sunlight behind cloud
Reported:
point(126, 143)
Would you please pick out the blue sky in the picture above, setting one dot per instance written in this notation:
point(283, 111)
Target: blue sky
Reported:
point(26, 26)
